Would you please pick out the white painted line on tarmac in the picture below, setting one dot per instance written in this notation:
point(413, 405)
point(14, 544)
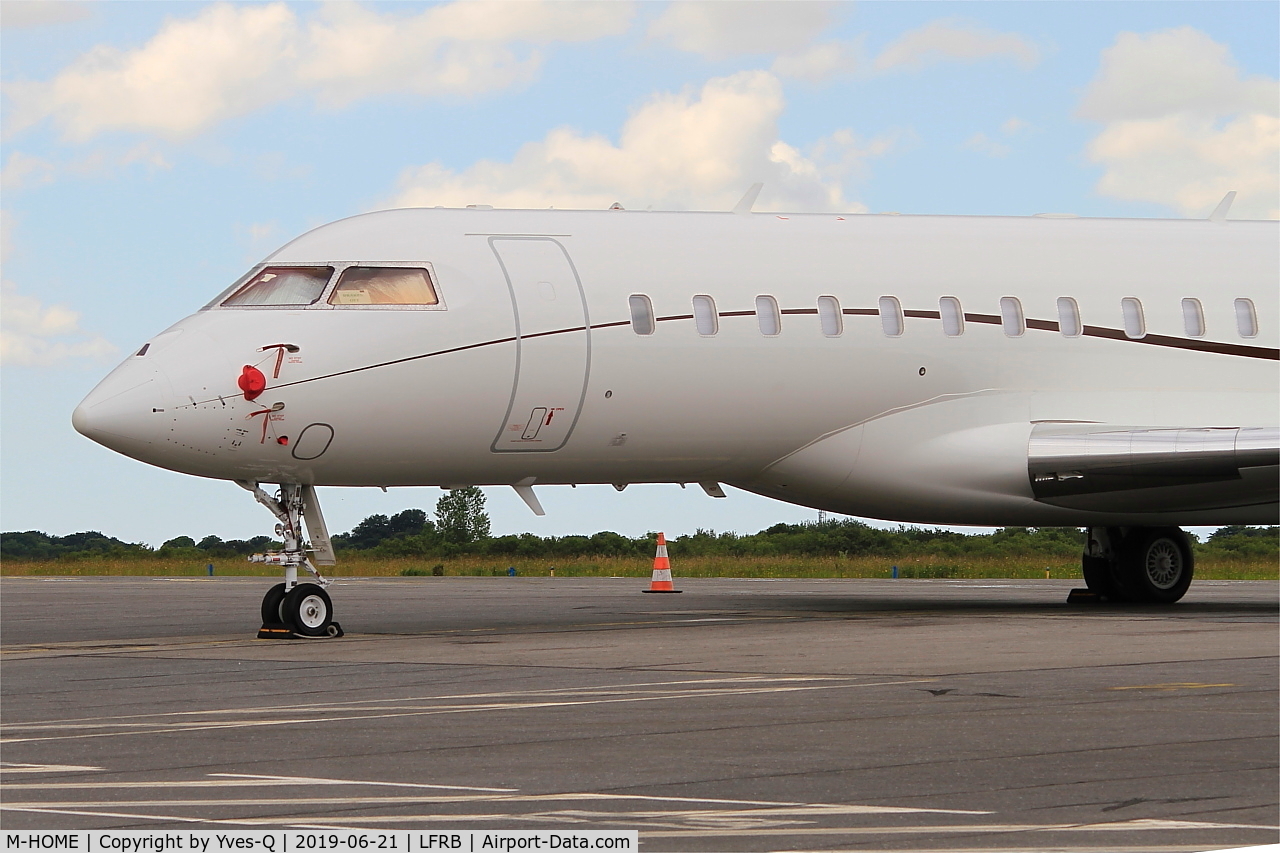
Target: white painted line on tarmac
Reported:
point(181, 728)
point(174, 785)
point(1126, 826)
point(173, 818)
point(1056, 848)
point(1132, 826)
point(368, 704)
point(509, 795)
point(313, 780)
point(10, 767)
point(321, 823)
point(799, 808)
point(250, 782)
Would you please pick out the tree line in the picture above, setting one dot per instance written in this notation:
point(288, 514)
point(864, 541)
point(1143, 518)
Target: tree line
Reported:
point(461, 526)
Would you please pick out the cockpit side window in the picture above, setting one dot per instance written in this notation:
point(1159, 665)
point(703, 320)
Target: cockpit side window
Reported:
point(282, 286)
point(384, 286)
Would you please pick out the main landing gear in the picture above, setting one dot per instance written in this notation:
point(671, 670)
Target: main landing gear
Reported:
point(1144, 565)
point(292, 609)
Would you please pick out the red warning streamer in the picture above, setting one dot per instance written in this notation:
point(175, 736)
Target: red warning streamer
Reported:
point(265, 421)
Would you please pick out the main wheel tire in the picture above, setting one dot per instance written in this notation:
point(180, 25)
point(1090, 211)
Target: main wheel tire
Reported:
point(308, 610)
point(271, 605)
point(1156, 565)
point(1097, 576)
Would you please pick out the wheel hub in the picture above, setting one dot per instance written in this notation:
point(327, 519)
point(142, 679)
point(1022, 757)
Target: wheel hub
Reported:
point(1163, 564)
point(312, 611)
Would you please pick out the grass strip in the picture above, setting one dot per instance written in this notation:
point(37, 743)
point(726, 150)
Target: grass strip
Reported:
point(356, 565)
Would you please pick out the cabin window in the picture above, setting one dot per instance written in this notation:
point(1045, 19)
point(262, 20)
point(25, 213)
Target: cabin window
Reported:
point(1193, 318)
point(1135, 324)
point(384, 286)
point(641, 314)
point(890, 316)
point(1011, 317)
point(768, 316)
point(1246, 318)
point(282, 286)
point(1069, 317)
point(952, 316)
point(829, 316)
point(705, 316)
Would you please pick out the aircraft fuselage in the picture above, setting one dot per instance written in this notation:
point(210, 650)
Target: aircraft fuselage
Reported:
point(895, 380)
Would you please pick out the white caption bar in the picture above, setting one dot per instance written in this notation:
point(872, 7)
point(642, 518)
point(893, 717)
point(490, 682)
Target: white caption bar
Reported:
point(314, 841)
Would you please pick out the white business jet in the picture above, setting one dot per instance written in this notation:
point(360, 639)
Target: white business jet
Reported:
point(1114, 374)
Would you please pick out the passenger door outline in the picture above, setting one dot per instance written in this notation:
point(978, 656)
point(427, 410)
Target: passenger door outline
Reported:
point(552, 374)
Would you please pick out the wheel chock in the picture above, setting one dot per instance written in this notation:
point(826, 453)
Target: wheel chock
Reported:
point(276, 631)
point(1084, 596)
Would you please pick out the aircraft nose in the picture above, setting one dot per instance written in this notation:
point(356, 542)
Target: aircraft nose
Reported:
point(124, 413)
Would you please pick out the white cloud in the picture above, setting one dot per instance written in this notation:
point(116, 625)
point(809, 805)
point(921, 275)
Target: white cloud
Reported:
point(984, 144)
point(1013, 125)
point(32, 333)
point(263, 230)
point(229, 60)
point(819, 62)
point(6, 235)
point(1190, 163)
point(719, 29)
point(461, 48)
point(677, 151)
point(25, 171)
point(258, 239)
point(1172, 71)
point(23, 14)
point(1183, 125)
point(951, 39)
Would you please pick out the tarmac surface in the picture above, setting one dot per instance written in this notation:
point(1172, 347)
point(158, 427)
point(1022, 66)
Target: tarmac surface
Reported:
point(741, 715)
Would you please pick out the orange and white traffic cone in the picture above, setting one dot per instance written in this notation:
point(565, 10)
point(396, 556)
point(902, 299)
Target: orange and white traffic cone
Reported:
point(661, 570)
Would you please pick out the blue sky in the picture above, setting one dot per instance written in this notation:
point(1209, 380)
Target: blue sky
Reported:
point(153, 151)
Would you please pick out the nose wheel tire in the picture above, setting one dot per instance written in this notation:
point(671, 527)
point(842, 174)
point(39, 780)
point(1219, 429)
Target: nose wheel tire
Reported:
point(1156, 565)
point(308, 611)
point(271, 603)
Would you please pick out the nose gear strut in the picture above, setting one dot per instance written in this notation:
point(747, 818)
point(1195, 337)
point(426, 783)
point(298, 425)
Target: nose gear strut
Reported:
point(292, 609)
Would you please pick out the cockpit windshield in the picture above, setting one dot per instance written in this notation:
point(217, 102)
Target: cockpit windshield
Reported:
point(282, 286)
point(384, 286)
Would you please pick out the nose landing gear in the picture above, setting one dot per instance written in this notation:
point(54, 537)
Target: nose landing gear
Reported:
point(292, 609)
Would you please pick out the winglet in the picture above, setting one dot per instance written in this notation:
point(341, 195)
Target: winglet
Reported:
point(743, 207)
point(1220, 212)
